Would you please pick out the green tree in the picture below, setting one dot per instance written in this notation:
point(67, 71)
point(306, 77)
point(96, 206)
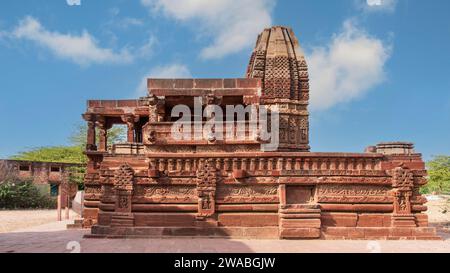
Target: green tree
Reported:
point(115, 135)
point(73, 153)
point(60, 154)
point(439, 175)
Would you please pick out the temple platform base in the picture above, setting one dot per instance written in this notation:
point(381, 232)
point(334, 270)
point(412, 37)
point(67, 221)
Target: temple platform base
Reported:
point(201, 232)
point(379, 233)
point(324, 233)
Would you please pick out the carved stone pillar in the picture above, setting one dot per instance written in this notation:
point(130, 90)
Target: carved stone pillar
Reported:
point(252, 164)
point(402, 183)
point(130, 120)
point(103, 132)
point(130, 132)
point(153, 171)
point(123, 186)
point(206, 189)
point(90, 144)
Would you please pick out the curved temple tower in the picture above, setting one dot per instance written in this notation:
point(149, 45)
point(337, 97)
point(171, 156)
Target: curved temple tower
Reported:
point(158, 184)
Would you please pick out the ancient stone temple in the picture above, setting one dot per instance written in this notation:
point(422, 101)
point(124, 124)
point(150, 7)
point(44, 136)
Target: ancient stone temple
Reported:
point(158, 184)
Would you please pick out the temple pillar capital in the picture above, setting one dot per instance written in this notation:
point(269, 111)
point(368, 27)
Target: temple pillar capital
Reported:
point(130, 120)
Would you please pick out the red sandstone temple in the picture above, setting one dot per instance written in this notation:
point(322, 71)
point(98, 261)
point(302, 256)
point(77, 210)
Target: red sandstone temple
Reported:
point(157, 185)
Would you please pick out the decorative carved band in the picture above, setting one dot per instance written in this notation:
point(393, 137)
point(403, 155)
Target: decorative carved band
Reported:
point(352, 190)
point(248, 194)
point(166, 194)
point(266, 163)
point(353, 194)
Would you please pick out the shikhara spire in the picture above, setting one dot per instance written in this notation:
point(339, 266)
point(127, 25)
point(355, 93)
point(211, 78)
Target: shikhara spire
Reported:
point(279, 61)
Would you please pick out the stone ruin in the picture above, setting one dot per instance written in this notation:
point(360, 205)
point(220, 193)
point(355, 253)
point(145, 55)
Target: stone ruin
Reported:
point(158, 185)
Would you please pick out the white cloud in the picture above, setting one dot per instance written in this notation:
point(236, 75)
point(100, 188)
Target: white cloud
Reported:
point(81, 49)
point(347, 68)
point(233, 25)
point(122, 22)
point(377, 5)
point(130, 21)
point(172, 71)
point(147, 49)
point(3, 33)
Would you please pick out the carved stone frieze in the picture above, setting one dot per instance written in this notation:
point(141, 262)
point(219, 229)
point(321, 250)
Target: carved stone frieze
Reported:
point(167, 194)
point(353, 194)
point(247, 194)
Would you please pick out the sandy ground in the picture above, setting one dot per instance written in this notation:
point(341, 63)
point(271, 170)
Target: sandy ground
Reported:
point(439, 212)
point(12, 220)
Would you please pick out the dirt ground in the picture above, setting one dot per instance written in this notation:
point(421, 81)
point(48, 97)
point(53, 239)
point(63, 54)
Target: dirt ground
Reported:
point(12, 220)
point(439, 212)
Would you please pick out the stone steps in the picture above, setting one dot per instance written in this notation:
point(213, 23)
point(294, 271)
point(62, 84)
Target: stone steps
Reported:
point(77, 224)
point(300, 222)
point(122, 220)
point(201, 232)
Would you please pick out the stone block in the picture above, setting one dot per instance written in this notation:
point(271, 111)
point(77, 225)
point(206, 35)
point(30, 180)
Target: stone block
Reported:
point(421, 219)
point(401, 232)
point(300, 233)
point(376, 233)
point(339, 219)
point(183, 83)
point(336, 231)
point(229, 83)
point(373, 220)
point(355, 233)
point(208, 83)
point(300, 223)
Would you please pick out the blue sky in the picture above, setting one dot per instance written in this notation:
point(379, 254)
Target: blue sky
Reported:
point(379, 72)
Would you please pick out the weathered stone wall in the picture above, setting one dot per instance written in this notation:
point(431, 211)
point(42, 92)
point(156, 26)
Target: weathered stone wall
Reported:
point(40, 173)
point(265, 195)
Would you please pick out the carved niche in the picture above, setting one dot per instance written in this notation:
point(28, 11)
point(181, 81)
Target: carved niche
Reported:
point(403, 183)
point(206, 189)
point(123, 187)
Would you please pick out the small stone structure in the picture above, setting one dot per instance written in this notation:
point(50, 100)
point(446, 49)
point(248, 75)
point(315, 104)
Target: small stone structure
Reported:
point(157, 185)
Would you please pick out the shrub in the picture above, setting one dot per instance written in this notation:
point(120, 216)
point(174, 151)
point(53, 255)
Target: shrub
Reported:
point(16, 194)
